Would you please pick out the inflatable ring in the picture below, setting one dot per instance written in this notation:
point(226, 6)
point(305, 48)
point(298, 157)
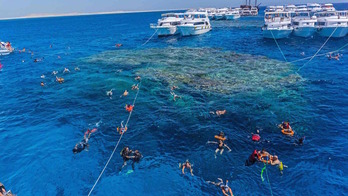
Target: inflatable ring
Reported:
point(220, 138)
point(265, 161)
point(291, 133)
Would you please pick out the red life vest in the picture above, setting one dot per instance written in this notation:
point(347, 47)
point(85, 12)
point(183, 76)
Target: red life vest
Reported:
point(256, 137)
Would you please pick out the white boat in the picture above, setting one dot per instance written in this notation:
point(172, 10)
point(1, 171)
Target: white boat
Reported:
point(246, 12)
point(304, 24)
point(313, 7)
point(254, 11)
point(328, 7)
point(232, 14)
point(301, 8)
point(194, 23)
point(5, 48)
point(333, 24)
point(290, 8)
point(270, 8)
point(220, 14)
point(277, 25)
point(168, 23)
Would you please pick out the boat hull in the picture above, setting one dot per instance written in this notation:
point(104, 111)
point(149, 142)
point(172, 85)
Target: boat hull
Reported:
point(219, 17)
point(304, 31)
point(166, 31)
point(277, 34)
point(191, 30)
point(232, 17)
point(327, 31)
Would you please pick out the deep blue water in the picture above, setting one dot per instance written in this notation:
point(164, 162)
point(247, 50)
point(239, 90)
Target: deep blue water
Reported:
point(40, 125)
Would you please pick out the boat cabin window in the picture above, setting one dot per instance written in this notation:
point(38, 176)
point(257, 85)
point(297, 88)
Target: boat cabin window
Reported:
point(198, 23)
point(296, 23)
point(175, 23)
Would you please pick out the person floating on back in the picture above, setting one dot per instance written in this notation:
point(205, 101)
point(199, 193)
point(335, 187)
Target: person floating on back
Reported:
point(226, 190)
point(79, 147)
point(185, 165)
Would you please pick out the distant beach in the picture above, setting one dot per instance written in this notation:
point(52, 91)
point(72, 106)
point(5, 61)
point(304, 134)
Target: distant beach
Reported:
point(86, 14)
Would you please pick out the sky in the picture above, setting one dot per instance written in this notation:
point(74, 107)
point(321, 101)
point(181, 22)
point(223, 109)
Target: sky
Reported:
point(19, 8)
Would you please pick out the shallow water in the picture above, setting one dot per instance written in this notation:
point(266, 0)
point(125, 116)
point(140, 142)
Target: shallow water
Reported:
point(232, 67)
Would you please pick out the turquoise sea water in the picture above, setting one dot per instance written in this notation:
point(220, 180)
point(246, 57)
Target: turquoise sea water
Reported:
point(232, 67)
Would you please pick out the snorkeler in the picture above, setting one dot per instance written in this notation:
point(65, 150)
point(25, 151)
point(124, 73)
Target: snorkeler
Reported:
point(42, 76)
point(42, 84)
point(125, 93)
point(66, 70)
point(185, 165)
point(84, 143)
point(129, 107)
point(3, 191)
point(77, 69)
point(300, 141)
point(54, 72)
point(60, 80)
point(118, 45)
point(125, 152)
point(226, 190)
point(175, 96)
point(122, 129)
point(220, 147)
point(137, 78)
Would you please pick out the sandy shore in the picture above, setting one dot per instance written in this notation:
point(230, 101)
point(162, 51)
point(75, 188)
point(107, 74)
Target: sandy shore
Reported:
point(85, 14)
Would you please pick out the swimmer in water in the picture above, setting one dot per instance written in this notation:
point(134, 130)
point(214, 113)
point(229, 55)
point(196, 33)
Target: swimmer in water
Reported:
point(3, 191)
point(54, 72)
point(185, 165)
point(220, 147)
point(137, 78)
point(42, 84)
point(121, 129)
point(173, 88)
point(135, 87)
point(285, 126)
point(77, 69)
point(125, 153)
point(60, 80)
point(218, 112)
point(66, 70)
point(300, 141)
point(226, 190)
point(136, 156)
point(118, 45)
point(129, 107)
point(79, 147)
point(42, 76)
point(255, 137)
point(125, 93)
point(109, 93)
point(175, 96)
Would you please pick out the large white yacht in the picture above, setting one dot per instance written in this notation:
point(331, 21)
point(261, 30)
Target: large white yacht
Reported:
point(167, 25)
point(333, 24)
point(290, 8)
point(5, 48)
point(254, 11)
point(328, 7)
point(277, 25)
point(313, 7)
point(304, 24)
point(194, 23)
point(232, 14)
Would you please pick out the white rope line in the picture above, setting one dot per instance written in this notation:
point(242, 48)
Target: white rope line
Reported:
point(318, 50)
point(150, 38)
point(279, 47)
point(113, 152)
